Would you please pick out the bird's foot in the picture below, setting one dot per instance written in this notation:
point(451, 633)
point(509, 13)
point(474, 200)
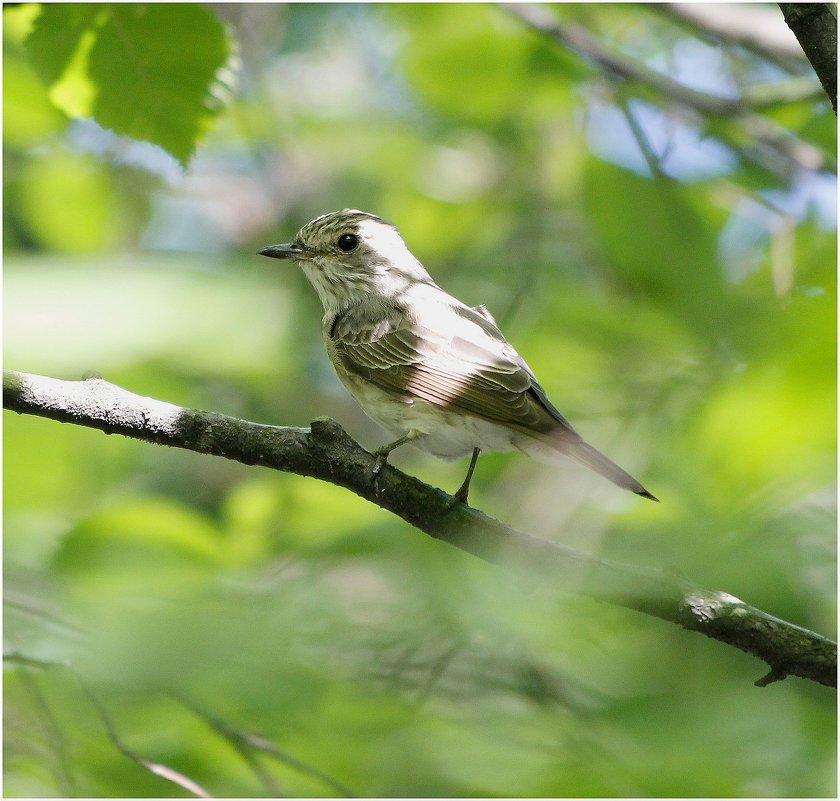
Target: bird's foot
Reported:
point(382, 453)
point(463, 491)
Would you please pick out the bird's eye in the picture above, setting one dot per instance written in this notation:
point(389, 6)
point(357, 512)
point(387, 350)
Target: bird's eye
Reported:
point(347, 242)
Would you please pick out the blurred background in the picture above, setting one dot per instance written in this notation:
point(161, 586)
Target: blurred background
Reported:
point(645, 199)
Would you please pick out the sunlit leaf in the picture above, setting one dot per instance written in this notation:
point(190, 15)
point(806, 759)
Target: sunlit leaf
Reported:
point(57, 35)
point(166, 58)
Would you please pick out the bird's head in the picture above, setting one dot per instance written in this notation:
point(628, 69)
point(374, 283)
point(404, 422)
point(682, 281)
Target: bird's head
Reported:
point(350, 256)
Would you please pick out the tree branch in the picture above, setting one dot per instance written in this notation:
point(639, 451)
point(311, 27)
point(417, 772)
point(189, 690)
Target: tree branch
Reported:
point(815, 27)
point(325, 451)
point(621, 65)
point(752, 26)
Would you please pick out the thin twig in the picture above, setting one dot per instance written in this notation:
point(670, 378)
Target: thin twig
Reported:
point(52, 731)
point(642, 141)
point(164, 771)
point(246, 744)
point(242, 747)
point(436, 671)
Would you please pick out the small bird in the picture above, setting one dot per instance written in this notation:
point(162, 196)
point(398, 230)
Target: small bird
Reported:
point(426, 367)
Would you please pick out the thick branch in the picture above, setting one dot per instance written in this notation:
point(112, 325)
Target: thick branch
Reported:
point(815, 26)
point(325, 451)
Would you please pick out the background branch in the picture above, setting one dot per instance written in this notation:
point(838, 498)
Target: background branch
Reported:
point(249, 746)
point(164, 771)
point(325, 451)
point(620, 65)
point(156, 768)
point(752, 26)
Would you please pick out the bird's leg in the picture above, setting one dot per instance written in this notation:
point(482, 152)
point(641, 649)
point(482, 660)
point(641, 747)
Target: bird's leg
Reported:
point(463, 490)
point(381, 454)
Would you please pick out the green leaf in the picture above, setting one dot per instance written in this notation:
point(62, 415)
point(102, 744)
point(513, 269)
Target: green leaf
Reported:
point(155, 67)
point(125, 543)
point(28, 114)
point(57, 35)
point(653, 238)
point(68, 204)
point(440, 59)
point(146, 71)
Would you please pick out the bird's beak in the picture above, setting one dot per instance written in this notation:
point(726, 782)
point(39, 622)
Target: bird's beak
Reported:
point(289, 250)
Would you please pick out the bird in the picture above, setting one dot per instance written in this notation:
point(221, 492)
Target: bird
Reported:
point(429, 369)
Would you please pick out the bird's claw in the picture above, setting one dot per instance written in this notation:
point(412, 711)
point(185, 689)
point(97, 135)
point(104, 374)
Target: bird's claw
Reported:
point(460, 497)
point(381, 461)
point(463, 491)
point(381, 454)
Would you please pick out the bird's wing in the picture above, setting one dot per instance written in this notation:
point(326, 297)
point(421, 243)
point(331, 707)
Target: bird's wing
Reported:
point(460, 361)
point(457, 360)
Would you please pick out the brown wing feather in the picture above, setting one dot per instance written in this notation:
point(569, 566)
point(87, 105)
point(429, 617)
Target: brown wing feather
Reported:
point(478, 373)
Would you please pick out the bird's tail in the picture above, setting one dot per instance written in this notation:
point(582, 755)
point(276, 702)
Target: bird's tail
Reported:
point(569, 443)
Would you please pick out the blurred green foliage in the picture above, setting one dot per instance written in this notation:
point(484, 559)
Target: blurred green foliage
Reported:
point(669, 276)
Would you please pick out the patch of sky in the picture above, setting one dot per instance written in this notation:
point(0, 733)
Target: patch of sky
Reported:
point(180, 224)
point(810, 194)
point(680, 149)
point(698, 66)
point(88, 136)
point(743, 242)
